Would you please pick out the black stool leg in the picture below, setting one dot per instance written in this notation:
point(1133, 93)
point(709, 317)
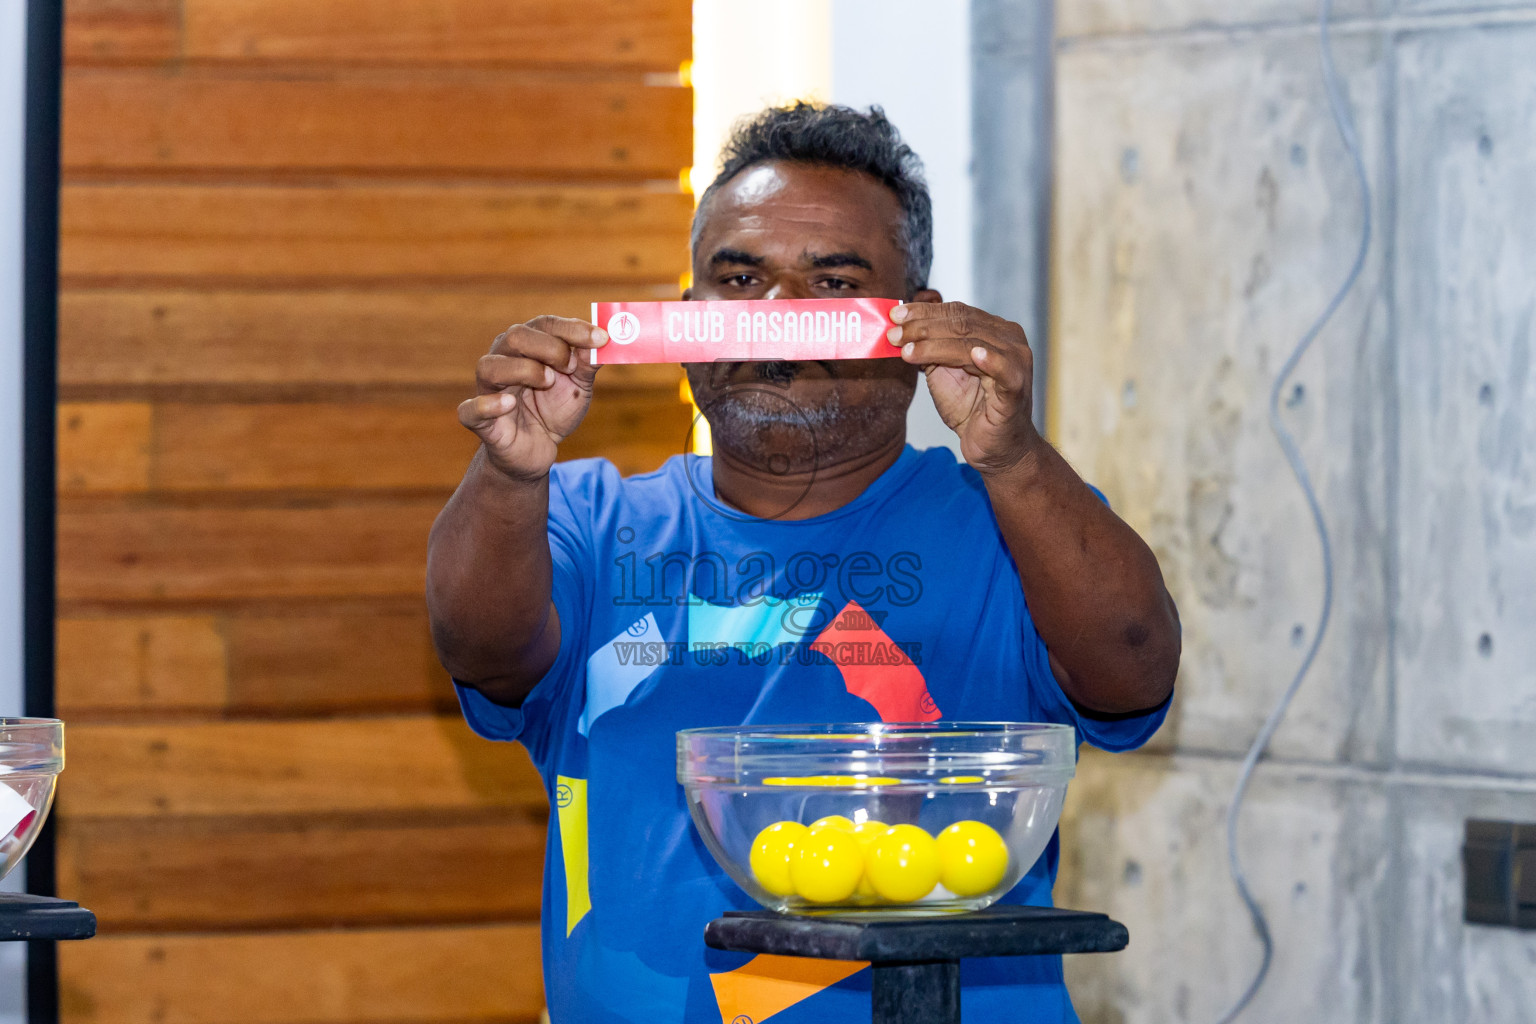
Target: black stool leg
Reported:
point(927, 992)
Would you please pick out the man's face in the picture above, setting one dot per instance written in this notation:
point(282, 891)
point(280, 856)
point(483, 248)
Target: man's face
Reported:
point(801, 231)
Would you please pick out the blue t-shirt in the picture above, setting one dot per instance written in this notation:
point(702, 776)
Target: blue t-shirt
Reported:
point(677, 611)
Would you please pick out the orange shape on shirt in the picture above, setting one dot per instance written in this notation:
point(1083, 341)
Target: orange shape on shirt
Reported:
point(766, 984)
point(874, 668)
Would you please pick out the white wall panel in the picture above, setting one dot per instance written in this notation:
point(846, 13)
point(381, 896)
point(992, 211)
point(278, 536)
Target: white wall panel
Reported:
point(13, 18)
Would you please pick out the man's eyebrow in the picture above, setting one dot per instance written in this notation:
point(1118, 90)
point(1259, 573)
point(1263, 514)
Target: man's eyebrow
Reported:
point(735, 257)
point(840, 259)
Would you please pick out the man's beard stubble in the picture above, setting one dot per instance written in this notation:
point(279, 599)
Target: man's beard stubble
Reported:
point(768, 423)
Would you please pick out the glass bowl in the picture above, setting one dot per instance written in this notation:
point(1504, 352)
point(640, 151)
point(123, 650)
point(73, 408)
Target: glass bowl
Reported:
point(31, 757)
point(977, 803)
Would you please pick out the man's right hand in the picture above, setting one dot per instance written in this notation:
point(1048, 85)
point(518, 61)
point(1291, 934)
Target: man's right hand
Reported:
point(533, 387)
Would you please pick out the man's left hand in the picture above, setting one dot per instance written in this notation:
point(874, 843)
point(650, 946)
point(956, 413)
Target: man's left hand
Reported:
point(980, 372)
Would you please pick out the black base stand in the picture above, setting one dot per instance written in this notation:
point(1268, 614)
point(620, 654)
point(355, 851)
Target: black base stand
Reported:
point(915, 960)
point(25, 917)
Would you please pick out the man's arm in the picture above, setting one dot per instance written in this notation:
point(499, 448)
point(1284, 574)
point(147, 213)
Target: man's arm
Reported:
point(488, 584)
point(489, 572)
point(1094, 588)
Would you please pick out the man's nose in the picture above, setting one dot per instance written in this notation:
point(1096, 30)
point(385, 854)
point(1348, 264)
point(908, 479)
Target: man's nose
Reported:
point(789, 287)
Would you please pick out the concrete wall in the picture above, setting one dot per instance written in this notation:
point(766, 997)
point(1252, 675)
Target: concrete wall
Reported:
point(1203, 213)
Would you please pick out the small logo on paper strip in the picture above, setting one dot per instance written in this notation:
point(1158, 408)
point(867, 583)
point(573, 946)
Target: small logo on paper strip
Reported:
point(623, 328)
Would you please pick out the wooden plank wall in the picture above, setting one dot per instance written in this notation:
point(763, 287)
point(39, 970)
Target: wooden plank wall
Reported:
point(289, 228)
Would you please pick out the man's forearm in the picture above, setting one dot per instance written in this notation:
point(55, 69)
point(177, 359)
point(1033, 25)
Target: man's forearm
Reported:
point(1094, 588)
point(488, 583)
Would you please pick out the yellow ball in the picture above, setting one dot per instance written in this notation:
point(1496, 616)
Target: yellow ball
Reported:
point(828, 864)
point(903, 863)
point(865, 832)
point(972, 858)
point(834, 821)
point(772, 851)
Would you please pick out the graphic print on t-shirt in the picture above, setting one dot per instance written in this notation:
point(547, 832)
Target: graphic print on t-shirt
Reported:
point(876, 668)
point(872, 665)
point(617, 667)
point(767, 984)
point(757, 625)
point(571, 813)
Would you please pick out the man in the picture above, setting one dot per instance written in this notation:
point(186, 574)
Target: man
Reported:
point(1006, 584)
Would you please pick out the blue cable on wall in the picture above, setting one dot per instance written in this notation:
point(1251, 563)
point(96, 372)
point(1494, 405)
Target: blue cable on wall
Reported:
point(1339, 107)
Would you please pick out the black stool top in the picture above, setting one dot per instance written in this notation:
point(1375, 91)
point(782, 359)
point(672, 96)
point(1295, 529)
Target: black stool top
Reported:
point(893, 938)
point(41, 917)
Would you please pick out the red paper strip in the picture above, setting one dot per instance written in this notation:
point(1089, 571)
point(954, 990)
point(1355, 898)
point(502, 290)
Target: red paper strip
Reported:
point(706, 331)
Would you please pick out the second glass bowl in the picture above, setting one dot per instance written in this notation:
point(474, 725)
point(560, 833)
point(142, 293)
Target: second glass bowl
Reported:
point(31, 757)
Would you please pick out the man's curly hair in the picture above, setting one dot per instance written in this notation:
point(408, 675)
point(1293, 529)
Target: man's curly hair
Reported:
point(836, 136)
